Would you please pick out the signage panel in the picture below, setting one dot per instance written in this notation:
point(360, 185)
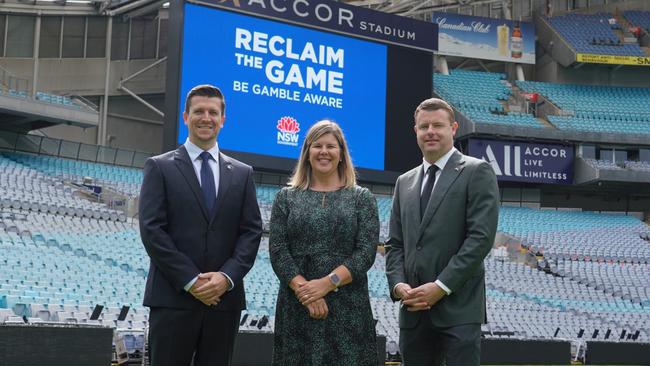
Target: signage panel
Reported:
point(485, 38)
point(279, 79)
point(526, 162)
point(340, 18)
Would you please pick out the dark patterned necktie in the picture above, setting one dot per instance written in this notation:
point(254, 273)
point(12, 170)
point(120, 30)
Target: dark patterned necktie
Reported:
point(428, 188)
point(207, 181)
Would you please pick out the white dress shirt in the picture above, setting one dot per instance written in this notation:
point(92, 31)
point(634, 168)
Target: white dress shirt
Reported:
point(194, 152)
point(440, 163)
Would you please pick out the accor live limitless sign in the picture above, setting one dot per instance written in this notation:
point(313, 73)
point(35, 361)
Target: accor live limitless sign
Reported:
point(340, 18)
point(526, 162)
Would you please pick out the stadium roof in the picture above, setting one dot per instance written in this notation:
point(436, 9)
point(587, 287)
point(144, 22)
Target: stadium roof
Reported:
point(415, 8)
point(420, 9)
point(410, 8)
point(83, 7)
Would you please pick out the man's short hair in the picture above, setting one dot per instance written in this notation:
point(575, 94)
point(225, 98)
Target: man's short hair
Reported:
point(433, 104)
point(205, 90)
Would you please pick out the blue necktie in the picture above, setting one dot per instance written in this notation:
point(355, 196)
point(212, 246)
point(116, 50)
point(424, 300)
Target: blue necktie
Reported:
point(207, 182)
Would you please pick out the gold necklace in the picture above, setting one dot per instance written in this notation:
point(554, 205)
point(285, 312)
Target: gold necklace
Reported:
point(322, 201)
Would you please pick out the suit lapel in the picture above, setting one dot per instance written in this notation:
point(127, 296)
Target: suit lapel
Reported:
point(225, 178)
point(183, 163)
point(413, 197)
point(452, 170)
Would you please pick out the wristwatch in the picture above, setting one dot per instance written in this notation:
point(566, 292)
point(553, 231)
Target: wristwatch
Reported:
point(336, 280)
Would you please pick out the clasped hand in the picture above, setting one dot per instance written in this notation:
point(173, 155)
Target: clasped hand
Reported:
point(209, 287)
point(420, 298)
point(311, 294)
point(310, 291)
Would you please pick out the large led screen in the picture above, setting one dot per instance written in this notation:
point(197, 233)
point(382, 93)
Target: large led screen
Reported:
point(278, 79)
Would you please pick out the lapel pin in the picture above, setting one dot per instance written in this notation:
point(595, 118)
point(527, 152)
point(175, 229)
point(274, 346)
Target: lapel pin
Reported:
point(229, 167)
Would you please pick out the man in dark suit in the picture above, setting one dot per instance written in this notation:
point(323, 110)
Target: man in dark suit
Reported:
point(201, 226)
point(442, 226)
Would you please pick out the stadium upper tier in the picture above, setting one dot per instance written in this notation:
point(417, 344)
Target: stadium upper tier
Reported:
point(25, 188)
point(593, 34)
point(58, 100)
point(596, 108)
point(643, 166)
point(578, 235)
point(125, 180)
point(480, 96)
point(640, 166)
point(603, 164)
point(638, 18)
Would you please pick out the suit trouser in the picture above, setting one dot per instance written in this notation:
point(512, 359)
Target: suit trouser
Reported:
point(427, 345)
point(179, 336)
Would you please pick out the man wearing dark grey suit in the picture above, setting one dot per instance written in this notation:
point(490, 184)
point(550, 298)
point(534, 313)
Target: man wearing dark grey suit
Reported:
point(201, 226)
point(442, 225)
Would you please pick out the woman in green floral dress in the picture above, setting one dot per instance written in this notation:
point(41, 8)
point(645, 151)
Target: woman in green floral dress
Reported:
point(324, 232)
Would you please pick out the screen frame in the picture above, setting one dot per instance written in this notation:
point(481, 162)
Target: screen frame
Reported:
point(404, 91)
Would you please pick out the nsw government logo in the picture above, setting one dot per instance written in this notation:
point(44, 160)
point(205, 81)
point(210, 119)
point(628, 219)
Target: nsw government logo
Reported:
point(288, 129)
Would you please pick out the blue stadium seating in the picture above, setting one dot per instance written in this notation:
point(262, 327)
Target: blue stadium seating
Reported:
point(643, 166)
point(55, 268)
point(25, 188)
point(125, 180)
point(576, 235)
point(603, 164)
point(593, 275)
point(479, 96)
point(59, 100)
point(596, 108)
point(384, 206)
point(56, 99)
point(638, 18)
point(19, 94)
point(593, 34)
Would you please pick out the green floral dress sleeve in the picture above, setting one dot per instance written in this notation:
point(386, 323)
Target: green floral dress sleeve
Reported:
point(367, 237)
point(281, 260)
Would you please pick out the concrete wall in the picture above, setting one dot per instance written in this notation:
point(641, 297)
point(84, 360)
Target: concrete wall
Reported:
point(72, 133)
point(603, 200)
point(551, 71)
point(130, 126)
point(550, 41)
point(603, 75)
point(86, 76)
point(133, 126)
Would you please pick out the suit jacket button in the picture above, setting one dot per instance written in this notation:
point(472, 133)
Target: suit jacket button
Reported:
point(418, 247)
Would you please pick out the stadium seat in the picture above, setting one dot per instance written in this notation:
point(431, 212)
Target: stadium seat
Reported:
point(592, 108)
point(479, 96)
point(593, 34)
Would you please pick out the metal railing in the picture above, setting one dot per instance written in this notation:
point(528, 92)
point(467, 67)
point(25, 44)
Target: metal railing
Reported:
point(11, 82)
point(83, 101)
point(12, 141)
